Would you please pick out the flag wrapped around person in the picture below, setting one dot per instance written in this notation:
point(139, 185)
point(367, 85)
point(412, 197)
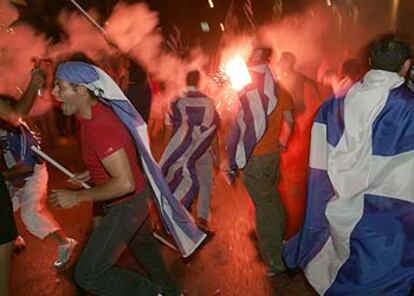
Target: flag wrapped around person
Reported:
point(256, 101)
point(357, 236)
point(410, 81)
point(195, 122)
point(178, 222)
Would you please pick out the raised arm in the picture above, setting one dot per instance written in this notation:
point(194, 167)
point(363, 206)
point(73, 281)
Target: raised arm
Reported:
point(13, 113)
point(23, 105)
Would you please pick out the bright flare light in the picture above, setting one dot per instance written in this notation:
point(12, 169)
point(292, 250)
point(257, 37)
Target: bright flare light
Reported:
point(236, 70)
point(210, 3)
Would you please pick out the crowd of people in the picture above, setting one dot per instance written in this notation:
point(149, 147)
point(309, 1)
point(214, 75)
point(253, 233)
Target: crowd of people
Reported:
point(347, 157)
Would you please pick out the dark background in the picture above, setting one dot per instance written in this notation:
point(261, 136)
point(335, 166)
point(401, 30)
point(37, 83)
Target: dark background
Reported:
point(188, 14)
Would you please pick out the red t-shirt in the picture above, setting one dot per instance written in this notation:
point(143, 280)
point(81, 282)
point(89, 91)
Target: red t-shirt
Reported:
point(101, 136)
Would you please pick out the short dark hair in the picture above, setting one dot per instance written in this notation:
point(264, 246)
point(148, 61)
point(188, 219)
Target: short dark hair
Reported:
point(389, 54)
point(265, 53)
point(193, 78)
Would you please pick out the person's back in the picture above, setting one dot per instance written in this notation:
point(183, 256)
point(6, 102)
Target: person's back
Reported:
point(360, 188)
point(261, 176)
point(293, 81)
point(139, 90)
point(253, 146)
point(15, 144)
point(193, 145)
point(270, 142)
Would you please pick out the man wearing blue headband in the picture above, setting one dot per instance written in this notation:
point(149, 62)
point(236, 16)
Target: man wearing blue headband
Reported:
point(110, 156)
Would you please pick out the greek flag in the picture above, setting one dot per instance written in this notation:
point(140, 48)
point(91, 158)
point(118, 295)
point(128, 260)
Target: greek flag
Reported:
point(195, 123)
point(410, 81)
point(257, 100)
point(357, 238)
point(176, 219)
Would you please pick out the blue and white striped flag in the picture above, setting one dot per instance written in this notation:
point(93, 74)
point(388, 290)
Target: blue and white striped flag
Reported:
point(195, 122)
point(256, 101)
point(357, 238)
point(177, 220)
point(410, 81)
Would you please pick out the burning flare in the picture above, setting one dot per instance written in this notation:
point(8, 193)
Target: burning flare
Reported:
point(238, 73)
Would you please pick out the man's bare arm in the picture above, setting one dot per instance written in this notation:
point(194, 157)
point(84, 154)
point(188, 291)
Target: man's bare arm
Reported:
point(121, 180)
point(17, 171)
point(23, 105)
point(287, 128)
point(120, 183)
point(13, 113)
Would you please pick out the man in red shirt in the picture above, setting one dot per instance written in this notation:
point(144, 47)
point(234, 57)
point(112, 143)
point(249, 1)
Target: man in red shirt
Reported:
point(111, 159)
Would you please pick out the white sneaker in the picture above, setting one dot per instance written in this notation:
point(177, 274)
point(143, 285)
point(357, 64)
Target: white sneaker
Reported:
point(65, 252)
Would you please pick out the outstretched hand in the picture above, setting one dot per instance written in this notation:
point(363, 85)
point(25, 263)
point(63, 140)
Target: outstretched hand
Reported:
point(64, 198)
point(38, 77)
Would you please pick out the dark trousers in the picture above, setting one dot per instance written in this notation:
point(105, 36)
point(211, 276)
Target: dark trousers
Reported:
point(260, 178)
point(124, 225)
point(8, 230)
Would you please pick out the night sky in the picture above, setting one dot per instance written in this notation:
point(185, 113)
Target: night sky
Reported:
point(188, 14)
point(185, 14)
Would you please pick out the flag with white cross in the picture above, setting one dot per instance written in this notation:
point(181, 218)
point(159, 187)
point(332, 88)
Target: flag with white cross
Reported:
point(357, 238)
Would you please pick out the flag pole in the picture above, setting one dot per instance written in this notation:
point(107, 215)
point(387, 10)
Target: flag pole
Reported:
point(87, 186)
point(57, 165)
point(88, 16)
point(95, 23)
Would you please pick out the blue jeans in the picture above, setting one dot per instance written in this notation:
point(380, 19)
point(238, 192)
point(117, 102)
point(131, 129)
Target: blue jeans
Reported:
point(124, 225)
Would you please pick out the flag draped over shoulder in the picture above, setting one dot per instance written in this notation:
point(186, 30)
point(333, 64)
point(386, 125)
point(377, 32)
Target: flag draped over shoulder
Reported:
point(177, 220)
point(195, 122)
point(410, 81)
point(357, 237)
point(256, 101)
